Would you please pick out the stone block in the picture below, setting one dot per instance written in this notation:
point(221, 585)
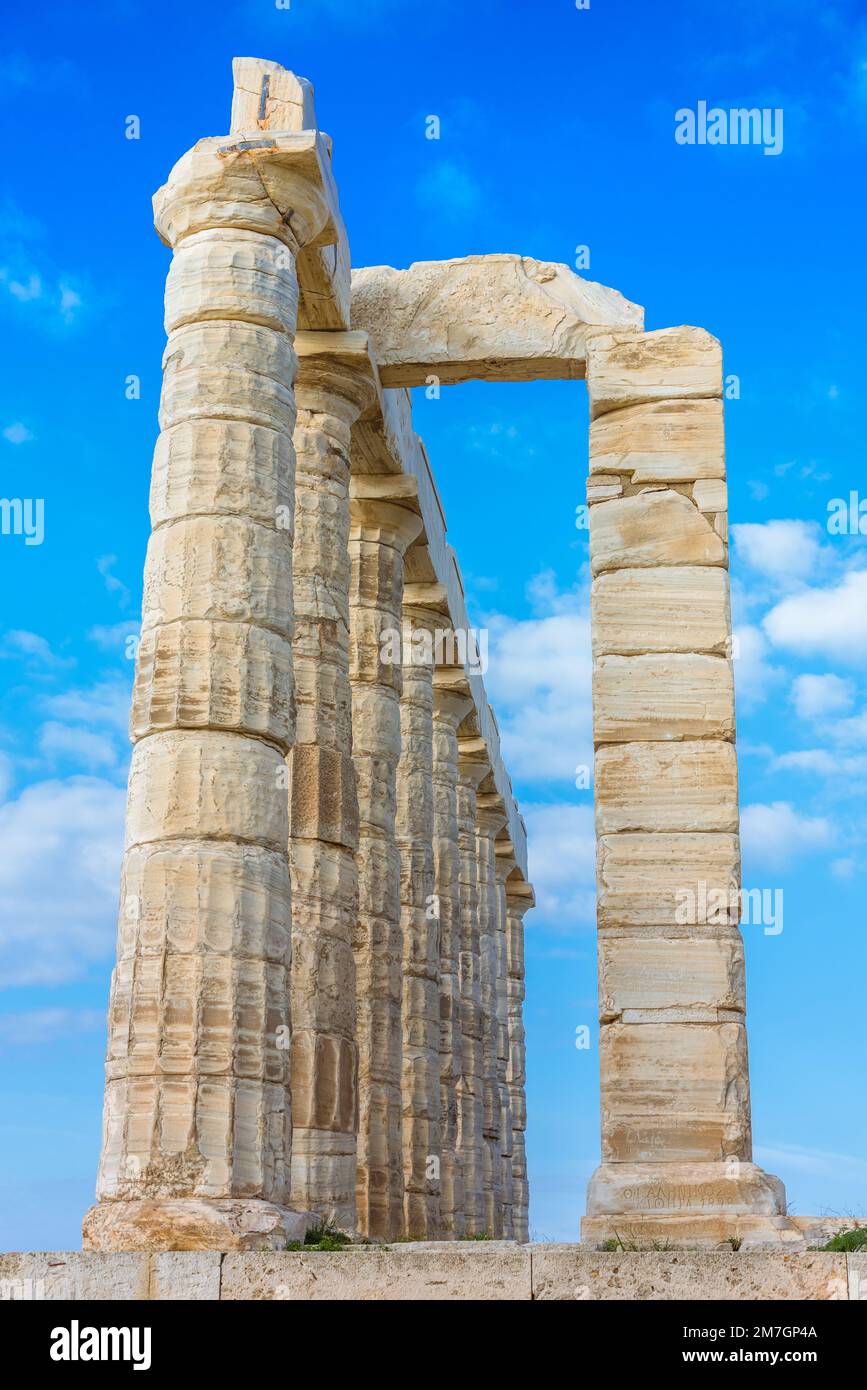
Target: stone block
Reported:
point(658, 697)
point(199, 674)
point(196, 785)
point(666, 441)
point(368, 1274)
point(572, 1272)
point(219, 568)
point(672, 879)
point(208, 467)
point(628, 368)
point(667, 609)
point(688, 785)
point(660, 527)
point(673, 1092)
point(642, 976)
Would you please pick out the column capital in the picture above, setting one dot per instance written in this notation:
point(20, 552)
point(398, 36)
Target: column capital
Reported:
point(278, 185)
point(506, 861)
point(520, 894)
point(452, 698)
point(490, 812)
point(385, 522)
point(426, 603)
point(336, 364)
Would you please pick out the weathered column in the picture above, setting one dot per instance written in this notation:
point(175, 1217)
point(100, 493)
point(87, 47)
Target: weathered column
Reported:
point(335, 380)
point(505, 865)
point(379, 535)
point(420, 917)
point(490, 820)
point(451, 704)
point(197, 1126)
point(471, 1085)
point(676, 1144)
point(519, 897)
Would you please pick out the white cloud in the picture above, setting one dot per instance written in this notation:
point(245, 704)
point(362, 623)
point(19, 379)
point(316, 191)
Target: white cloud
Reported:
point(780, 550)
point(59, 872)
point(814, 696)
point(116, 635)
point(755, 675)
point(844, 868)
point(24, 293)
point(17, 433)
point(70, 300)
point(34, 1026)
point(79, 745)
point(775, 835)
point(828, 622)
point(105, 564)
point(539, 680)
point(106, 704)
point(18, 642)
point(448, 190)
point(561, 845)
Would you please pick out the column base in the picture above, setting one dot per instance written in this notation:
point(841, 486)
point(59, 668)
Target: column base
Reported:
point(687, 1205)
point(193, 1223)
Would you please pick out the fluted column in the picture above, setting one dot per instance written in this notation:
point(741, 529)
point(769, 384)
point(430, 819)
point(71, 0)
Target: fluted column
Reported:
point(505, 865)
point(519, 897)
point(450, 707)
point(490, 819)
point(379, 534)
point(323, 822)
point(471, 1084)
point(420, 922)
point(197, 1122)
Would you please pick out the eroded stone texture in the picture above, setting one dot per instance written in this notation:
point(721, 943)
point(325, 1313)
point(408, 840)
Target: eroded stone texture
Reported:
point(331, 389)
point(450, 706)
point(420, 918)
point(197, 1130)
point(490, 820)
point(519, 898)
point(673, 1052)
point(471, 773)
point(380, 532)
point(630, 369)
point(689, 785)
point(666, 609)
point(505, 866)
point(500, 318)
point(652, 528)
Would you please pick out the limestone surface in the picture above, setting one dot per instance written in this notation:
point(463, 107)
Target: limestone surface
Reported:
point(498, 318)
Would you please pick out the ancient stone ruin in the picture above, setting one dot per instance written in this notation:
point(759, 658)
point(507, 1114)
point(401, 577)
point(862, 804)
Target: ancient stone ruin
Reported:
point(316, 1010)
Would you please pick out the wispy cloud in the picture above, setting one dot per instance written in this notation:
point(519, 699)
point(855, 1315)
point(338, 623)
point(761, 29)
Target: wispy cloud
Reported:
point(17, 433)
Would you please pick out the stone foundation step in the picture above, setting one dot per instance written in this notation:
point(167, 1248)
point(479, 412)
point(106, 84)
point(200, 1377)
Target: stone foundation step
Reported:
point(463, 1271)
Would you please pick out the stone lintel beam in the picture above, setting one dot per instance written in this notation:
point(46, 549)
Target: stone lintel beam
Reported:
point(495, 318)
point(267, 97)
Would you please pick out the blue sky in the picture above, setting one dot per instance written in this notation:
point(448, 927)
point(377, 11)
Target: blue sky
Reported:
point(557, 131)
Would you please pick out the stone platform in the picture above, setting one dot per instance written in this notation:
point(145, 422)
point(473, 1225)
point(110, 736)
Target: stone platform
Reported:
point(453, 1271)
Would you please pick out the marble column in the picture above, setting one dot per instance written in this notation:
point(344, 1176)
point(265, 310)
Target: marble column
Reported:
point(490, 820)
point(379, 535)
point(331, 388)
point(676, 1142)
point(197, 1121)
point(471, 1085)
point(451, 705)
point(505, 865)
point(420, 919)
point(519, 898)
